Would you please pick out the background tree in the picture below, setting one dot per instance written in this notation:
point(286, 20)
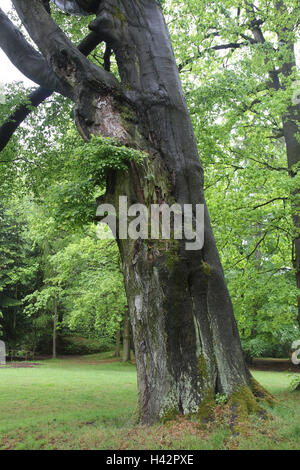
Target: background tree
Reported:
point(19, 266)
point(229, 69)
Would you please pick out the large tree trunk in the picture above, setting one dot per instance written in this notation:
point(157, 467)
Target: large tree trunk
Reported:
point(187, 345)
point(186, 339)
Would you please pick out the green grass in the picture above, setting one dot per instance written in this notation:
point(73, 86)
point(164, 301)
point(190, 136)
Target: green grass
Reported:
point(89, 403)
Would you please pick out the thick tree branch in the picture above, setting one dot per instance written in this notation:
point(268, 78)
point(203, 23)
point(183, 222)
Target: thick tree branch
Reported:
point(79, 7)
point(97, 93)
point(9, 127)
point(61, 54)
point(39, 95)
point(259, 38)
point(30, 62)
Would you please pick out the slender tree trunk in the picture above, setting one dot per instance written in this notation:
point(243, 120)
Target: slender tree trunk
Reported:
point(291, 123)
point(54, 329)
point(118, 343)
point(256, 305)
point(126, 337)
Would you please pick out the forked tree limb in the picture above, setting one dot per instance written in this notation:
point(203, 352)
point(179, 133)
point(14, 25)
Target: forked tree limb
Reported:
point(19, 115)
point(86, 46)
point(61, 54)
point(29, 61)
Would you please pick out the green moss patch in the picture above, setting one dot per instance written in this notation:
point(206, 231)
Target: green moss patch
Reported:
point(170, 414)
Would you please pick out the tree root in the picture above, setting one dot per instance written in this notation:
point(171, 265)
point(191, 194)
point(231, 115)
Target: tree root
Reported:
point(248, 400)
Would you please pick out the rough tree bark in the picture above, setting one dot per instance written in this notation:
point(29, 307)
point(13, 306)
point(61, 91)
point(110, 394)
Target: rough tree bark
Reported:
point(187, 344)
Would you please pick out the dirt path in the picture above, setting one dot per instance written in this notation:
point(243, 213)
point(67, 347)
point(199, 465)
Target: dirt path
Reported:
point(274, 365)
point(268, 364)
point(19, 365)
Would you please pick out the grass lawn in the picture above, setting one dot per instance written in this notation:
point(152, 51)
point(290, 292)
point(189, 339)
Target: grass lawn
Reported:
point(89, 403)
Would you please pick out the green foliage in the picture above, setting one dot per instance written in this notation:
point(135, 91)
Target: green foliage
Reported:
point(71, 173)
point(78, 345)
point(19, 267)
point(221, 399)
point(270, 343)
point(237, 117)
point(89, 273)
point(103, 154)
